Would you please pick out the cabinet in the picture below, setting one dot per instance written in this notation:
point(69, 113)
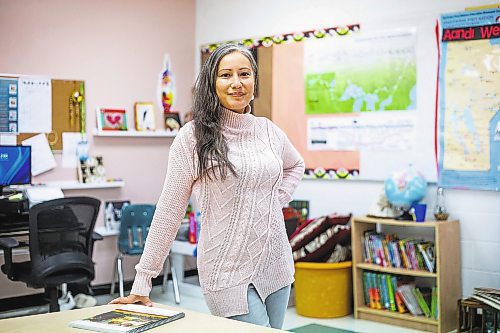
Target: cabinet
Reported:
point(447, 276)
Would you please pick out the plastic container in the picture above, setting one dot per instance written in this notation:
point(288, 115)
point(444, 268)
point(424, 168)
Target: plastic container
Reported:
point(323, 290)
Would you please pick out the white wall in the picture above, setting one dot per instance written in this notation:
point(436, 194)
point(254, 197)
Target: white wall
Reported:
point(478, 212)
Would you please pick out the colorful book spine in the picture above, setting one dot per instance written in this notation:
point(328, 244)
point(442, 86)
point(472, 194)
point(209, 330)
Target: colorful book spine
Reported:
point(434, 310)
point(390, 292)
point(421, 302)
point(366, 287)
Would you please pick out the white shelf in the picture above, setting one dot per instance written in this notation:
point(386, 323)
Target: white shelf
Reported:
point(74, 185)
point(133, 133)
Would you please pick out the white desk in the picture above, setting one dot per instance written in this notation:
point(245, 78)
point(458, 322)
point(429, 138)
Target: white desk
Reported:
point(193, 322)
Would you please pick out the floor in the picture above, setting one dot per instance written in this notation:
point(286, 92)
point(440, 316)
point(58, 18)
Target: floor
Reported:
point(192, 299)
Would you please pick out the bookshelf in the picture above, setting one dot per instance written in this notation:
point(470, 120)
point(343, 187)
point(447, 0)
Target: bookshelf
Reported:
point(447, 276)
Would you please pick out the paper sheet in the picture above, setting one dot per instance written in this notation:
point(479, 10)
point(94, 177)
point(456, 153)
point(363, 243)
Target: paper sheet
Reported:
point(70, 143)
point(35, 104)
point(8, 139)
point(42, 158)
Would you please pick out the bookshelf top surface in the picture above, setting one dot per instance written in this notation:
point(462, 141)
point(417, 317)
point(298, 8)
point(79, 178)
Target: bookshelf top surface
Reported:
point(375, 220)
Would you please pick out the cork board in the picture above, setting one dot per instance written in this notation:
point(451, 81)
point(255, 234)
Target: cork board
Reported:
point(61, 93)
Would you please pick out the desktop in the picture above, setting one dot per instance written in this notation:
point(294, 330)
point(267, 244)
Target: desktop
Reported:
point(15, 169)
point(15, 166)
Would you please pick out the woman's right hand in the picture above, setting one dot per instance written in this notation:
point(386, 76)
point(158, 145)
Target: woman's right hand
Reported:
point(131, 299)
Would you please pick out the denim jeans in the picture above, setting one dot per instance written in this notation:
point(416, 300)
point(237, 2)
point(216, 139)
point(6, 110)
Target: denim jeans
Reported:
point(270, 313)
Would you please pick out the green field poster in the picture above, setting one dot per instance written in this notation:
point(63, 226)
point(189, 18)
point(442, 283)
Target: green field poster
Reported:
point(361, 73)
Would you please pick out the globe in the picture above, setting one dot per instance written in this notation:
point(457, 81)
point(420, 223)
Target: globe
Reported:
point(405, 187)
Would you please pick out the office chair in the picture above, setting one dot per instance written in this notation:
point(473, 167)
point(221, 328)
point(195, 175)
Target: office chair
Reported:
point(61, 239)
point(134, 228)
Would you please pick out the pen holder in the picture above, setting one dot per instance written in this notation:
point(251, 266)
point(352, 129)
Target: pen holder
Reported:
point(418, 211)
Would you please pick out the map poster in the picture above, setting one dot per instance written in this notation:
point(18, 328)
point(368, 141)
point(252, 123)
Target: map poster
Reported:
point(368, 72)
point(469, 102)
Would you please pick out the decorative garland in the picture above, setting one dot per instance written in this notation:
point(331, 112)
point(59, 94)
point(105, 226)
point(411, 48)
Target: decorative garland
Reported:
point(287, 38)
point(340, 173)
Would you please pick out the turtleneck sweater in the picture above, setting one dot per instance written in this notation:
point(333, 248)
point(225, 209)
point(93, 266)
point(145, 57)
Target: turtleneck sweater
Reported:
point(242, 239)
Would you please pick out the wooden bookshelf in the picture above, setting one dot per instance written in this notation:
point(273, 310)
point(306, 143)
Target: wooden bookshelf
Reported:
point(447, 276)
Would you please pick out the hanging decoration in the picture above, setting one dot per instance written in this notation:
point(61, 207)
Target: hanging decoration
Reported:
point(166, 87)
point(268, 41)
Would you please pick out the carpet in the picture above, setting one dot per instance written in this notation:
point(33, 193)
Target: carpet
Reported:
point(315, 328)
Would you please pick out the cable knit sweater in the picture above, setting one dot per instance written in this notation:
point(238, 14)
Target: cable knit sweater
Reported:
point(242, 238)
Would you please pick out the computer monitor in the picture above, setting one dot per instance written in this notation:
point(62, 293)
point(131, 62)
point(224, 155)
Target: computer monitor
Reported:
point(15, 165)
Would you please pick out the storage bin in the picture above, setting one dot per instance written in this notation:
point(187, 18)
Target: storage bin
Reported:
point(323, 290)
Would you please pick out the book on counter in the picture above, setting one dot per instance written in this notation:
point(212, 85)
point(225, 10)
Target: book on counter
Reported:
point(131, 318)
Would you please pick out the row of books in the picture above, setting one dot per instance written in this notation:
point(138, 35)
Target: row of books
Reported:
point(389, 251)
point(392, 293)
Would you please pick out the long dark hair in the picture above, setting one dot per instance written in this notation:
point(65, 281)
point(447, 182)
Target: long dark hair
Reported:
point(210, 143)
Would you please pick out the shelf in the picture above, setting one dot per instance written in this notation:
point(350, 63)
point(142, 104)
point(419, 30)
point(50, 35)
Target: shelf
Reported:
point(374, 220)
point(399, 271)
point(447, 278)
point(74, 185)
point(397, 315)
point(133, 133)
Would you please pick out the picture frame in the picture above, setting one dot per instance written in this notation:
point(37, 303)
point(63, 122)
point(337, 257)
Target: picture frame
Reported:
point(109, 119)
point(144, 116)
point(172, 121)
point(113, 214)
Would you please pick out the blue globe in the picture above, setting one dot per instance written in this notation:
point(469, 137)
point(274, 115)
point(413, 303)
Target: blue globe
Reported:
point(404, 188)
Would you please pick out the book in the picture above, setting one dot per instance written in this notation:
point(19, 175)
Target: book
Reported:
point(434, 309)
point(131, 318)
point(409, 299)
point(421, 301)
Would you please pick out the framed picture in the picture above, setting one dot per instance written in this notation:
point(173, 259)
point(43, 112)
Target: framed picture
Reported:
point(144, 117)
point(111, 119)
point(172, 121)
point(113, 214)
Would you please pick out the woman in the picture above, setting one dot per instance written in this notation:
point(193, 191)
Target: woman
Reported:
point(242, 170)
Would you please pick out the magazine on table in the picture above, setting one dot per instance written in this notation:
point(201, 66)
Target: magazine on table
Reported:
point(130, 318)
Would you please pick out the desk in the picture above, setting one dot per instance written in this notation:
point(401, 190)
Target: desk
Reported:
point(178, 251)
point(193, 322)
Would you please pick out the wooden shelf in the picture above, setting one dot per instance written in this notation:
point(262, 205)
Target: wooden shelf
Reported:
point(402, 316)
point(74, 185)
point(133, 133)
point(447, 277)
point(398, 271)
point(373, 220)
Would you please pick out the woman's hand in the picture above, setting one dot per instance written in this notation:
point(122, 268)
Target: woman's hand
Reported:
point(131, 299)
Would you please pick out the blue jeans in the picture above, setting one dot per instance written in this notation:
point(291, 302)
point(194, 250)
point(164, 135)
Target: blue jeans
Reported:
point(270, 313)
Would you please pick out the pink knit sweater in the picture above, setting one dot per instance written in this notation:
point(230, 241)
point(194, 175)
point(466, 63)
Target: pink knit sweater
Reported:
point(242, 239)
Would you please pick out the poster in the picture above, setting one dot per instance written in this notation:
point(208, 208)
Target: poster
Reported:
point(469, 155)
point(369, 72)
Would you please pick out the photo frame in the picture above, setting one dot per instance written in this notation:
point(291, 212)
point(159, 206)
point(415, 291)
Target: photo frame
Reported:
point(144, 116)
point(111, 119)
point(172, 121)
point(113, 214)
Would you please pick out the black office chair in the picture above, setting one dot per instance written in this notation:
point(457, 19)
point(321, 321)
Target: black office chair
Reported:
point(61, 239)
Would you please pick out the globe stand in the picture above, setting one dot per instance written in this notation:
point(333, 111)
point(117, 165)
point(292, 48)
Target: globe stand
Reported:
point(406, 216)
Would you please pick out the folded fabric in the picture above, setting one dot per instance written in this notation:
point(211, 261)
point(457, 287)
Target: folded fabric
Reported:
point(312, 228)
point(322, 246)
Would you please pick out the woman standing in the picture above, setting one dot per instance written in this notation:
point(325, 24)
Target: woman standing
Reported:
point(242, 170)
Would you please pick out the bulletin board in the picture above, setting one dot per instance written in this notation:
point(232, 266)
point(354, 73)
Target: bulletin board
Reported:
point(282, 98)
point(62, 91)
